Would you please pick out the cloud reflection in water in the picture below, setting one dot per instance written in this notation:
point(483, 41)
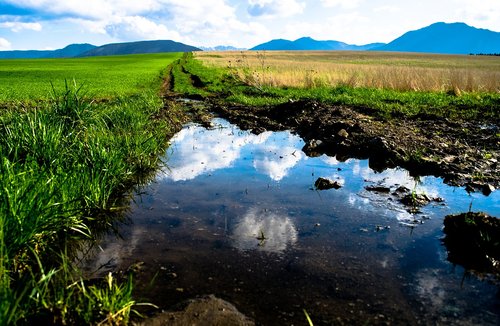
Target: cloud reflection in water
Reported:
point(196, 150)
point(279, 231)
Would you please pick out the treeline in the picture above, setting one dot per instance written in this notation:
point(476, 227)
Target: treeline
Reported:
point(487, 54)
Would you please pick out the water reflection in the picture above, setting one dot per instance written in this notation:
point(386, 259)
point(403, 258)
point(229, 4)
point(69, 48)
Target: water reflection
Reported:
point(196, 150)
point(275, 160)
point(263, 230)
point(351, 241)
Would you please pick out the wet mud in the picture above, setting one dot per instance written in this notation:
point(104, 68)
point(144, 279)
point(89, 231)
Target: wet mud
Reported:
point(464, 153)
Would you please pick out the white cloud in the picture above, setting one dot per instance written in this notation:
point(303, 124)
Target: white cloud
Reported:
point(139, 28)
point(265, 231)
point(484, 14)
point(245, 23)
point(275, 8)
point(387, 9)
point(90, 8)
point(347, 4)
point(86, 25)
point(275, 160)
point(20, 26)
point(4, 44)
point(196, 151)
point(213, 21)
point(347, 27)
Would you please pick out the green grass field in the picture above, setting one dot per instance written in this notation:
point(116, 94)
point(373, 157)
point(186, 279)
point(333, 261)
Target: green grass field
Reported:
point(66, 164)
point(248, 84)
point(30, 79)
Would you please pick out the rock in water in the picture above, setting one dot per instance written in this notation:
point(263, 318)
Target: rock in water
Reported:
point(325, 184)
point(204, 311)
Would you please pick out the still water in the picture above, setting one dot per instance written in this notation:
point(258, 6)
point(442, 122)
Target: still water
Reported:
point(236, 215)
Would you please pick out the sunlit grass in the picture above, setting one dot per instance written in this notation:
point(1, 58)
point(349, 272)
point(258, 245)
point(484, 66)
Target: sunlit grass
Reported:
point(397, 71)
point(65, 161)
point(246, 86)
point(102, 77)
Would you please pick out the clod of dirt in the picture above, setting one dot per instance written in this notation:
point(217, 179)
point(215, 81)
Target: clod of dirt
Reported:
point(343, 133)
point(488, 189)
point(203, 311)
point(325, 184)
point(314, 148)
point(415, 200)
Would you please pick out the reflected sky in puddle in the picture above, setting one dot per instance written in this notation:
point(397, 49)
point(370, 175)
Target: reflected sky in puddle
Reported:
point(264, 230)
point(196, 151)
point(237, 206)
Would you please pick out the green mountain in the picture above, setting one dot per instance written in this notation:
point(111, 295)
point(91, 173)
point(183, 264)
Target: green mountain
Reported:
point(139, 47)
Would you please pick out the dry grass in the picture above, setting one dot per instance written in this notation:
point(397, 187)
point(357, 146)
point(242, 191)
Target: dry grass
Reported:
point(400, 71)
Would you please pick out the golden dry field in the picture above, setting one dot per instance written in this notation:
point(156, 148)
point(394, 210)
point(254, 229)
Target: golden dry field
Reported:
point(388, 70)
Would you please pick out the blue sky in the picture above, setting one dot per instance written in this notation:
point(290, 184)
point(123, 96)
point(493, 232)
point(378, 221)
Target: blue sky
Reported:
point(52, 24)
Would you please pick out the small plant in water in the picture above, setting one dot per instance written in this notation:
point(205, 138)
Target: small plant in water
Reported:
point(309, 320)
point(261, 237)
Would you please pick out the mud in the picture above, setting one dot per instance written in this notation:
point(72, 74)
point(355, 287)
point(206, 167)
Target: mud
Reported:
point(463, 153)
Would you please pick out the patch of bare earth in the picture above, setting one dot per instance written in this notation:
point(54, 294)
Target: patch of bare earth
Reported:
point(463, 153)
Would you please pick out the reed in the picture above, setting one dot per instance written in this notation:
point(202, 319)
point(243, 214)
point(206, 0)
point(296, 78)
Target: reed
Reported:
point(396, 71)
point(62, 164)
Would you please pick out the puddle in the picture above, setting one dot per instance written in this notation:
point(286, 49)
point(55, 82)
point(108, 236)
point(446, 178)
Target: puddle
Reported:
point(236, 215)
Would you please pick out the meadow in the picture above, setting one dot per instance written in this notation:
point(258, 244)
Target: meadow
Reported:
point(67, 159)
point(396, 71)
point(383, 84)
point(101, 77)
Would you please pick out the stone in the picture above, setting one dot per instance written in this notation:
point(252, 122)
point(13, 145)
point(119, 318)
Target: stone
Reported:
point(488, 189)
point(313, 148)
point(325, 184)
point(204, 311)
point(343, 133)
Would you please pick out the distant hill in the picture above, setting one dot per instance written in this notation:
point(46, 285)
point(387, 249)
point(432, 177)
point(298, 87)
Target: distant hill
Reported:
point(72, 50)
point(139, 47)
point(89, 50)
point(221, 48)
point(307, 43)
point(455, 38)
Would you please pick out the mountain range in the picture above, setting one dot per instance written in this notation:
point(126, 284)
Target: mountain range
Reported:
point(220, 48)
point(307, 43)
point(72, 50)
point(454, 38)
point(445, 38)
point(89, 50)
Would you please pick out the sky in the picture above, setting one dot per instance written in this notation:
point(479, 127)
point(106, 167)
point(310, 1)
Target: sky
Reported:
point(53, 24)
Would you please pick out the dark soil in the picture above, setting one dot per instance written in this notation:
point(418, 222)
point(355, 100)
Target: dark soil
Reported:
point(463, 153)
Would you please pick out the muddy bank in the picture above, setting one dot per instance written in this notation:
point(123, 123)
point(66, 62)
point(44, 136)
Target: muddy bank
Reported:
point(463, 153)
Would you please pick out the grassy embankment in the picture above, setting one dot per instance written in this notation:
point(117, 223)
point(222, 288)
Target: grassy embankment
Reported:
point(386, 84)
point(66, 159)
